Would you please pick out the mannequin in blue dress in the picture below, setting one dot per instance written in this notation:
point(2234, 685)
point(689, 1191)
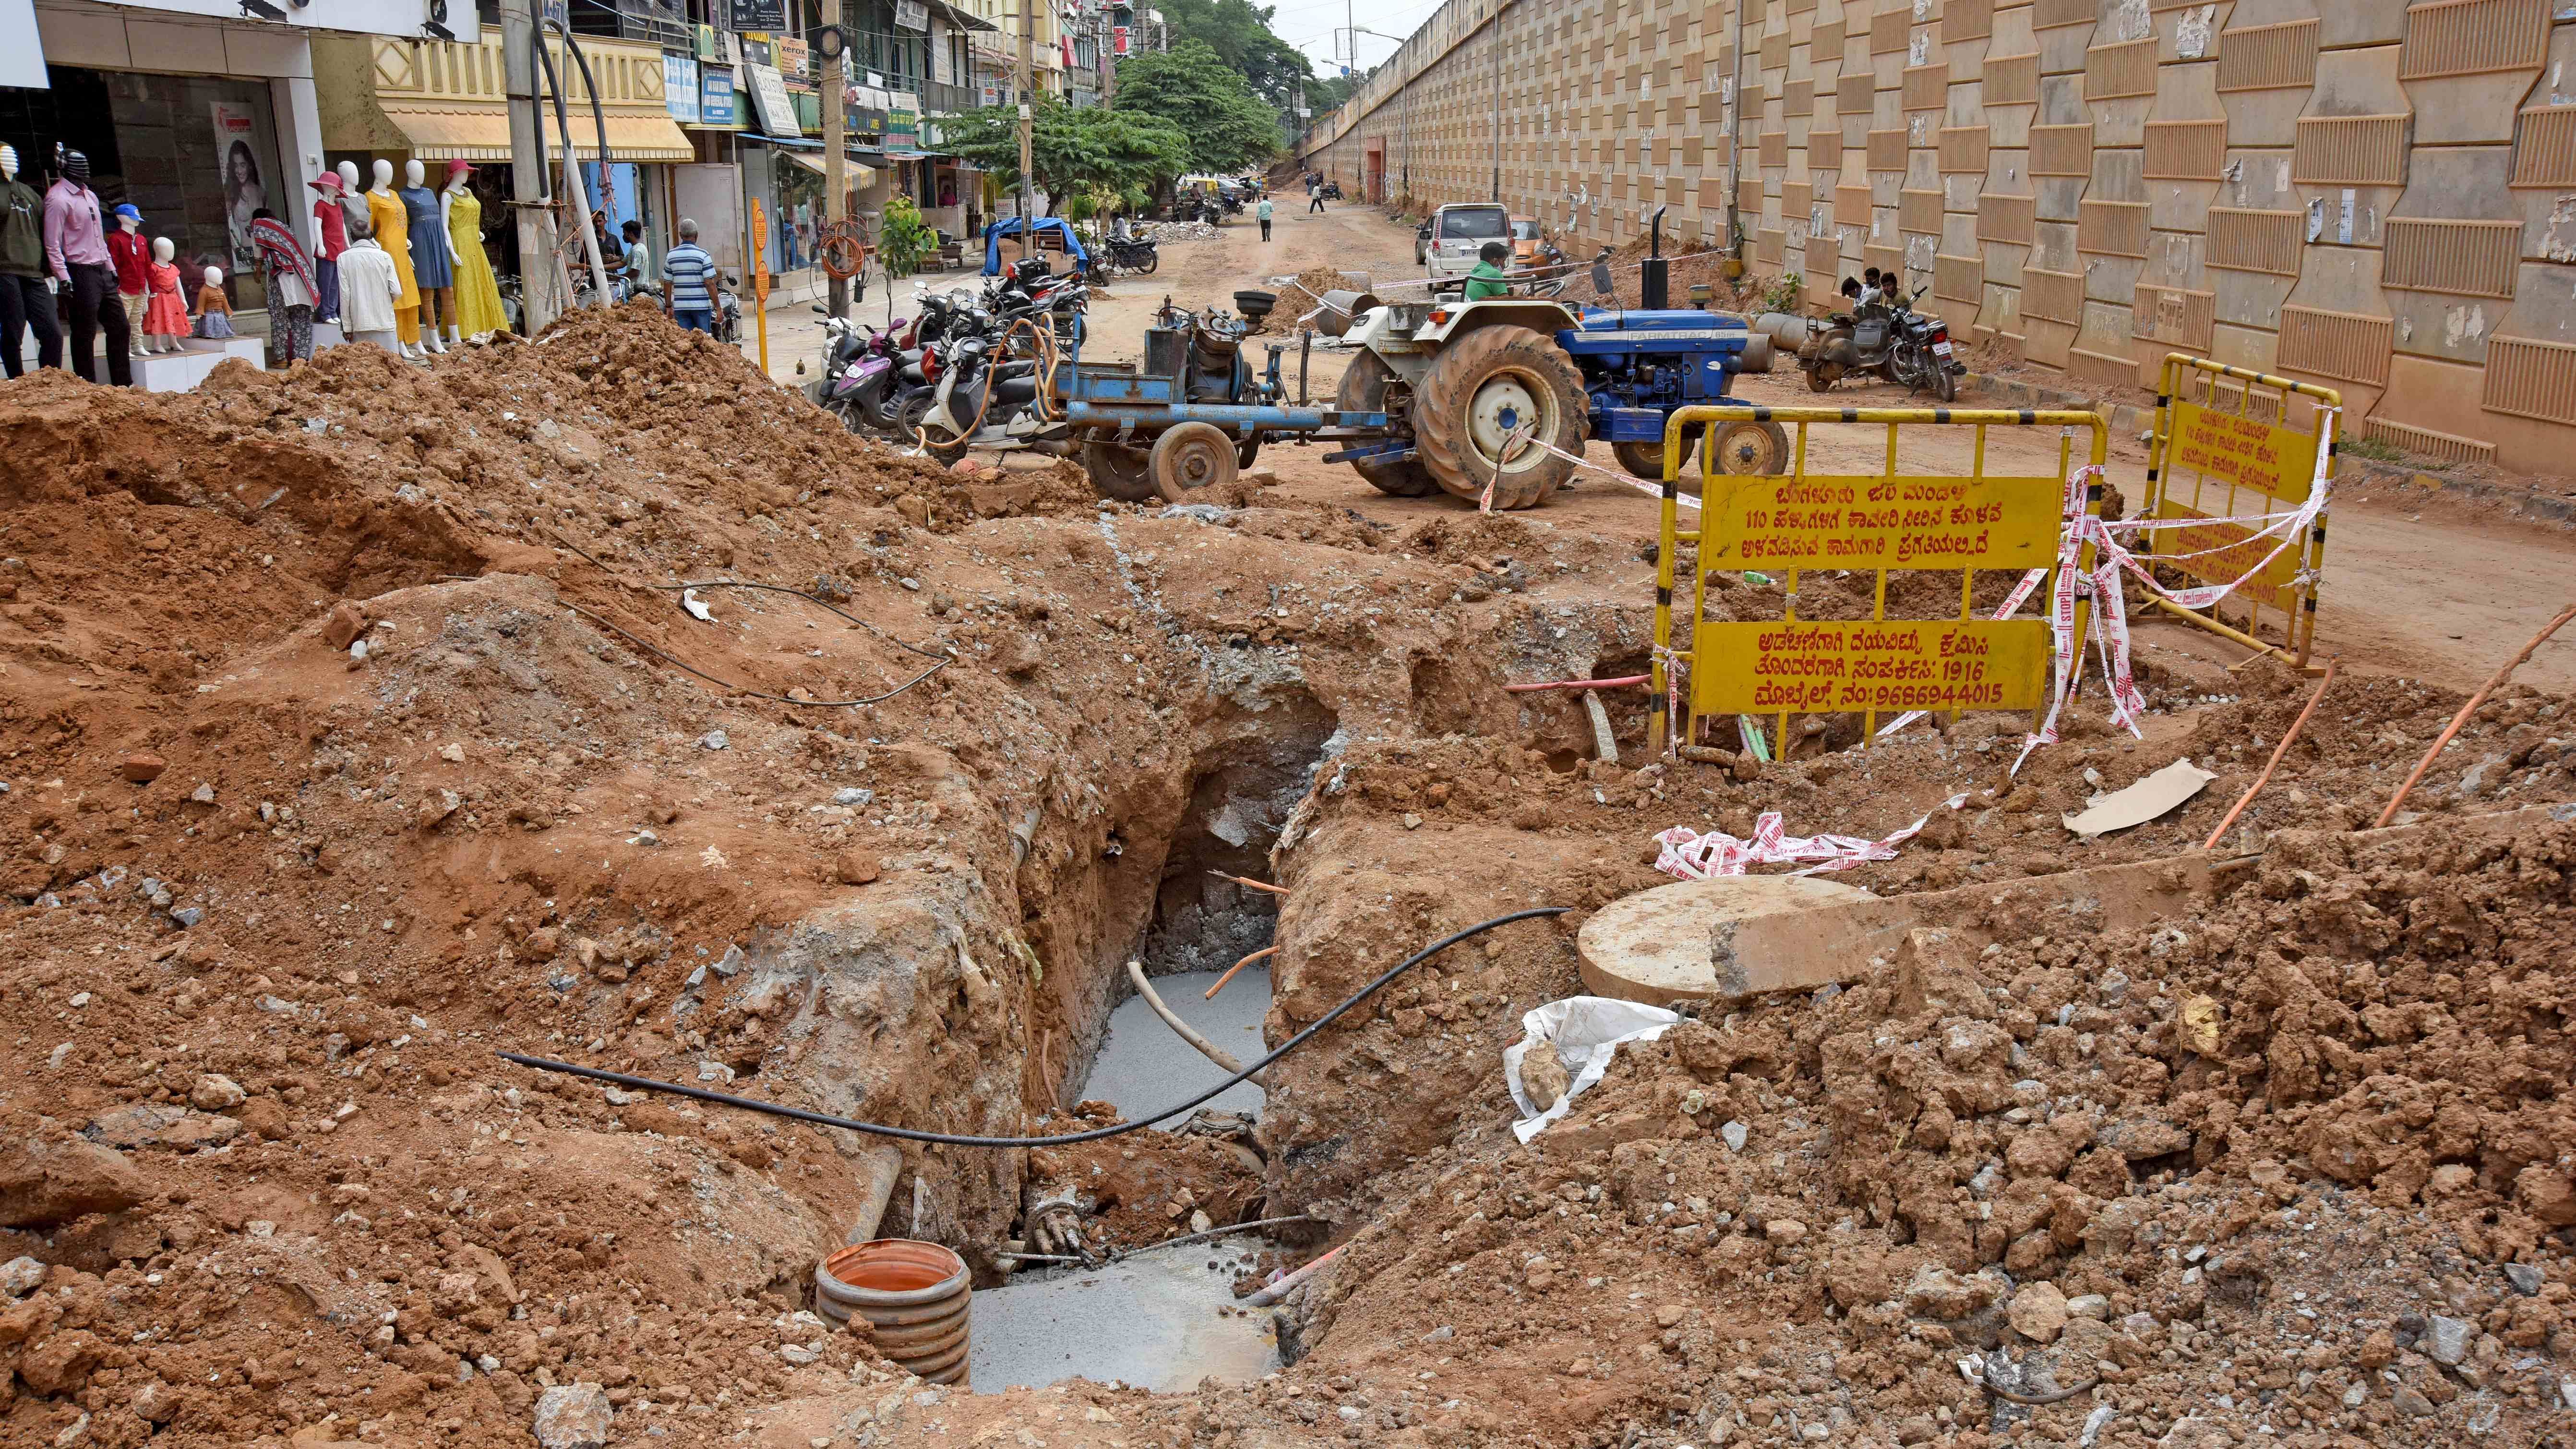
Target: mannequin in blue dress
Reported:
point(432, 265)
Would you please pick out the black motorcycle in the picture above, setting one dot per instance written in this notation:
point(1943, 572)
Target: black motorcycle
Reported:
point(1130, 254)
point(1888, 338)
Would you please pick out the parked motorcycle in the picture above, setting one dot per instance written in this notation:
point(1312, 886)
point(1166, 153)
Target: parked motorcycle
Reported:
point(1887, 338)
point(1130, 254)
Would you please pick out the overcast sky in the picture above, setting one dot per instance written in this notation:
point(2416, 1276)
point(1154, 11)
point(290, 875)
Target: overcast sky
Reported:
point(1309, 26)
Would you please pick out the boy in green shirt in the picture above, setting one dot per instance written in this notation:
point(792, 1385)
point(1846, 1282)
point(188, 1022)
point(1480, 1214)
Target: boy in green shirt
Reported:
point(1487, 279)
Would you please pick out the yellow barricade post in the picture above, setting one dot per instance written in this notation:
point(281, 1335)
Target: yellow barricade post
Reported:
point(1876, 523)
point(2222, 451)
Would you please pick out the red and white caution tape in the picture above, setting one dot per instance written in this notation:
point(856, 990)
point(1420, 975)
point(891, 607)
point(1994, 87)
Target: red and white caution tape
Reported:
point(1689, 855)
point(2110, 623)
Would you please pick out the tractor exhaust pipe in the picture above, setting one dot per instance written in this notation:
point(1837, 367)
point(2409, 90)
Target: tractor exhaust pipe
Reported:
point(1654, 284)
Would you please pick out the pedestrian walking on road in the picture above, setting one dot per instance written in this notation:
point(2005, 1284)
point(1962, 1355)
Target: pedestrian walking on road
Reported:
point(687, 273)
point(1314, 197)
point(1261, 210)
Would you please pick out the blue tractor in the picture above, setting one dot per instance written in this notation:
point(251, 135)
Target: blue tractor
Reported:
point(1461, 389)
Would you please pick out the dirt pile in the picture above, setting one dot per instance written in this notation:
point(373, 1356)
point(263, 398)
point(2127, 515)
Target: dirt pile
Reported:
point(347, 741)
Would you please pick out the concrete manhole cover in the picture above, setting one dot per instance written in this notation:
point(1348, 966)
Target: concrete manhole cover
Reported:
point(1654, 946)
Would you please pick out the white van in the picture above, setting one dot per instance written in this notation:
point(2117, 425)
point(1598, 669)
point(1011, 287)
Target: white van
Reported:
point(1447, 244)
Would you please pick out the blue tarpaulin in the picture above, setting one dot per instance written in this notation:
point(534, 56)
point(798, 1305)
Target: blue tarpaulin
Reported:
point(1010, 226)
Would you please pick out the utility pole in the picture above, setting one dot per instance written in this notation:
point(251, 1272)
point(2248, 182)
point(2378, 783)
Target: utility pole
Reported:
point(1028, 121)
point(1735, 140)
point(1108, 43)
point(540, 300)
point(835, 193)
point(1496, 43)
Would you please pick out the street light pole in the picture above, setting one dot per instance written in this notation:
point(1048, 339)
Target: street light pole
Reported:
point(1495, 42)
point(540, 297)
point(1735, 139)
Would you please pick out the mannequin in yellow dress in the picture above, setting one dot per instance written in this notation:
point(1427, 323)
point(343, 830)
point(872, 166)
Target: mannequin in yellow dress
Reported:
point(478, 295)
point(392, 225)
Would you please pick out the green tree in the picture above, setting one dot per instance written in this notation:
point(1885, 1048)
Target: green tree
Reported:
point(1194, 90)
point(1240, 34)
point(1073, 151)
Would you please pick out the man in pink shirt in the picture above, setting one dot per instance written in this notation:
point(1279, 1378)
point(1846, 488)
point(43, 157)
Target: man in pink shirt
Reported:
point(76, 253)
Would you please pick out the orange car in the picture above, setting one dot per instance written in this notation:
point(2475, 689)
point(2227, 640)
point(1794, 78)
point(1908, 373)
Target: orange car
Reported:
point(1526, 241)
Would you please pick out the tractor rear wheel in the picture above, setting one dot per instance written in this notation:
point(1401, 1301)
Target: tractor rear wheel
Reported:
point(1487, 388)
point(1363, 390)
point(1119, 473)
point(1191, 456)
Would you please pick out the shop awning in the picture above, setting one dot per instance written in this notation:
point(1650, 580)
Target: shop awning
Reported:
point(851, 171)
point(477, 134)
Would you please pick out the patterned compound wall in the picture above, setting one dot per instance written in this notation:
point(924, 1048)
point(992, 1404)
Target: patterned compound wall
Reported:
point(2373, 195)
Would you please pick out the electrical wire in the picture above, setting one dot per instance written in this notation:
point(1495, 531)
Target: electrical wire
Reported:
point(1060, 1139)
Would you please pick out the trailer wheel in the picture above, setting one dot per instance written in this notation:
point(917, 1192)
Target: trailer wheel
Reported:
point(1750, 449)
point(1191, 456)
point(1363, 390)
point(1120, 473)
point(1481, 390)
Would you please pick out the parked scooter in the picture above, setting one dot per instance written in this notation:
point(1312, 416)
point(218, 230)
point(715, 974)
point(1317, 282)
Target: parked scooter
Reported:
point(981, 395)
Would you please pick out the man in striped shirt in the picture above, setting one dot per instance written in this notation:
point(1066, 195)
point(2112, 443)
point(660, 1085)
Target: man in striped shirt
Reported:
point(687, 277)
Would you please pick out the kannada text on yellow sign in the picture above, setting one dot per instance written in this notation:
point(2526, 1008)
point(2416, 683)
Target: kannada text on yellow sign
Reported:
point(2248, 452)
point(1885, 664)
point(1882, 523)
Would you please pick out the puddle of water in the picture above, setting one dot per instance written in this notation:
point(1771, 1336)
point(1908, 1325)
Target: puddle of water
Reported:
point(1144, 1067)
point(1150, 1321)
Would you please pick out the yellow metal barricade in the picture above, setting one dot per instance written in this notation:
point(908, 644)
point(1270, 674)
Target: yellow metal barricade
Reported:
point(1878, 523)
point(2225, 446)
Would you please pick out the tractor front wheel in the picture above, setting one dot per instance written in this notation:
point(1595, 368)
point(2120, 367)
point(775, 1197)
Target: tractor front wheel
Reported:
point(1191, 456)
point(1646, 460)
point(1750, 449)
point(1490, 398)
point(1363, 390)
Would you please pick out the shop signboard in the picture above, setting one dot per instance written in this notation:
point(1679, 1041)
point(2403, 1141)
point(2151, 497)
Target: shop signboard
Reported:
point(902, 119)
point(795, 61)
point(406, 18)
point(715, 97)
point(22, 52)
point(757, 15)
point(1118, 39)
point(680, 87)
point(769, 100)
point(706, 42)
point(912, 15)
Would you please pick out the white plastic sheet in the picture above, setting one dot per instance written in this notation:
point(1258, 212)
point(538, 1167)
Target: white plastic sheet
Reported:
point(1585, 1032)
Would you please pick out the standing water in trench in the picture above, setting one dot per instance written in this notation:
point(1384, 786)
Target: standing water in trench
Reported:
point(1151, 1320)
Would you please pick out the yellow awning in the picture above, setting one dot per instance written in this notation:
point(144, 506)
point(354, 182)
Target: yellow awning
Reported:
point(457, 133)
point(851, 171)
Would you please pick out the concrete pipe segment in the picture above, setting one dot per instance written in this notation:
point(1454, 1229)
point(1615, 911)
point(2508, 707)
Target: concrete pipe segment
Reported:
point(913, 1297)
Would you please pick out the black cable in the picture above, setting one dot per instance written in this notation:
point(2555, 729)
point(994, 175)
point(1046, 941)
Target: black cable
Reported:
point(1061, 1139)
point(814, 599)
point(677, 662)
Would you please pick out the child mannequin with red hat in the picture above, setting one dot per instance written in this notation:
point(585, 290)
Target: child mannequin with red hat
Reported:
point(330, 238)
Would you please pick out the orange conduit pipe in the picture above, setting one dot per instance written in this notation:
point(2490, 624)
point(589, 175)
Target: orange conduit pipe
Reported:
point(2260, 780)
point(2479, 698)
point(1237, 966)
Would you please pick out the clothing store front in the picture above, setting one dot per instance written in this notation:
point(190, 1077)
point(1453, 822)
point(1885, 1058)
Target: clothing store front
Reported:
point(191, 114)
